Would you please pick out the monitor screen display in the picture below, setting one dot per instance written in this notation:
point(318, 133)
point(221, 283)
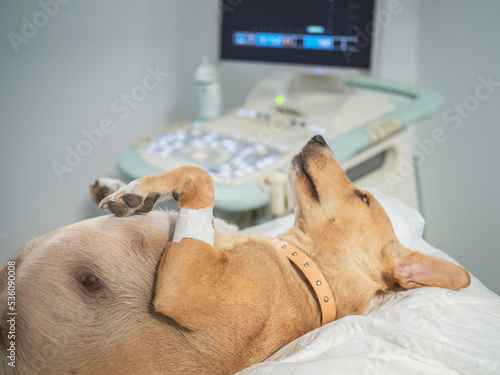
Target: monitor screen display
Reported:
point(326, 33)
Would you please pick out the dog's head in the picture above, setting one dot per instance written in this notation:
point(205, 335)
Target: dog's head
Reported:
point(351, 236)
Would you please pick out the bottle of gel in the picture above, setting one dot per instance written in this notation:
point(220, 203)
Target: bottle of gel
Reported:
point(209, 92)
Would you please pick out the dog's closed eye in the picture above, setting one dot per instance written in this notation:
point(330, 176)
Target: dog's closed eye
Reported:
point(93, 288)
point(91, 283)
point(363, 197)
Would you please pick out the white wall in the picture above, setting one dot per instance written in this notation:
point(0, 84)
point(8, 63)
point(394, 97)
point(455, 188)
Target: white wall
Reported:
point(396, 40)
point(458, 47)
point(450, 46)
point(65, 79)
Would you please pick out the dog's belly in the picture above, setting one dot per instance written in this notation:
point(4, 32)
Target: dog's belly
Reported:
point(84, 302)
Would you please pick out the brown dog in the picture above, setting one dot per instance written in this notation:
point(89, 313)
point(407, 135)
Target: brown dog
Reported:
point(122, 295)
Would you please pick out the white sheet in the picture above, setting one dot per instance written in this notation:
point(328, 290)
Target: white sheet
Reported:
point(421, 331)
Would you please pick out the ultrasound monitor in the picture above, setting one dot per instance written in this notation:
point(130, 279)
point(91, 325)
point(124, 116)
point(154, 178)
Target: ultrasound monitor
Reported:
point(315, 33)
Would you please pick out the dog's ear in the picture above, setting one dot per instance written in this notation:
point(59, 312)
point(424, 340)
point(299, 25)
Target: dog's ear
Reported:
point(412, 269)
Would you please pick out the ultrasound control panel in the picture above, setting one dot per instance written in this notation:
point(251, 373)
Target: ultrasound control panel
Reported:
point(263, 135)
point(223, 156)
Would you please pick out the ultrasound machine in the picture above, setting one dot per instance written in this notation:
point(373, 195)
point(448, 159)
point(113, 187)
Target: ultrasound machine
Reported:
point(327, 47)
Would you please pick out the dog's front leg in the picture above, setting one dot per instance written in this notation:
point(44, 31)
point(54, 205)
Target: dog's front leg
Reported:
point(191, 186)
point(191, 267)
point(187, 283)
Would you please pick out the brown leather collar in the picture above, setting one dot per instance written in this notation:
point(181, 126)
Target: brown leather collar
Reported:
point(315, 278)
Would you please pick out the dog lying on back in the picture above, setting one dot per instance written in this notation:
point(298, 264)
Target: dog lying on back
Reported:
point(138, 295)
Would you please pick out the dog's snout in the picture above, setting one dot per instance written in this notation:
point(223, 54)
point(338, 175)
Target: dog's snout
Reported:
point(319, 139)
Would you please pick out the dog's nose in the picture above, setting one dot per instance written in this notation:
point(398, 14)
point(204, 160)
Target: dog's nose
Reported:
point(318, 138)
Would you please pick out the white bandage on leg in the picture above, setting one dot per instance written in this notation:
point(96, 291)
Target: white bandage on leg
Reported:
point(197, 224)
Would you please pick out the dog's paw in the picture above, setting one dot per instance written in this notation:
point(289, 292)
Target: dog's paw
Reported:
point(129, 200)
point(102, 187)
